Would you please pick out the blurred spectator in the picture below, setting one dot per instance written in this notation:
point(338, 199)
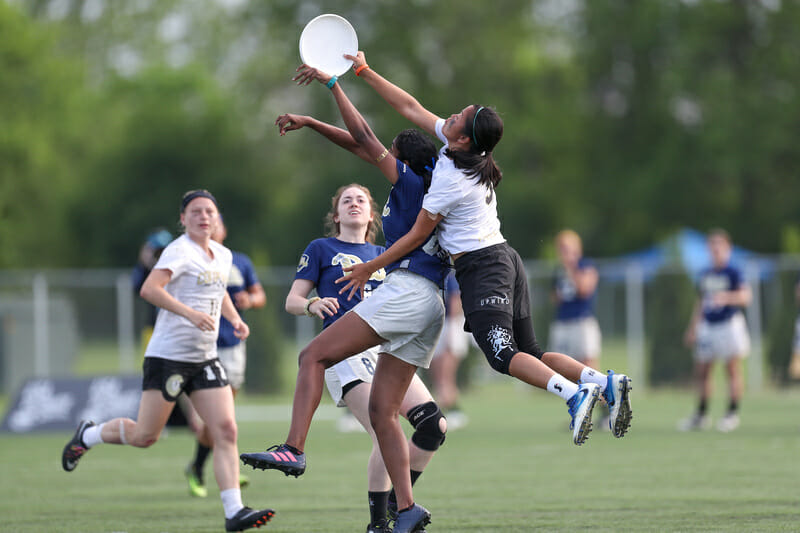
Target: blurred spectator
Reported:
point(794, 364)
point(149, 253)
point(718, 331)
point(575, 330)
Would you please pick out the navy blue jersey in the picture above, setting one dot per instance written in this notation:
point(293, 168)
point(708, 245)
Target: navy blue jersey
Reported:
point(322, 264)
point(570, 305)
point(399, 215)
point(714, 280)
point(242, 277)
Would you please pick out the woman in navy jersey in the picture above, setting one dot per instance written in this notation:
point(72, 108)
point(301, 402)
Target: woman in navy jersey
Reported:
point(717, 331)
point(575, 329)
point(461, 201)
point(404, 315)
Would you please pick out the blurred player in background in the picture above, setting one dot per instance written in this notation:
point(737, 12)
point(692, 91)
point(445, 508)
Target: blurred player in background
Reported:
point(794, 364)
point(149, 253)
point(575, 329)
point(246, 292)
point(718, 332)
point(188, 284)
point(451, 350)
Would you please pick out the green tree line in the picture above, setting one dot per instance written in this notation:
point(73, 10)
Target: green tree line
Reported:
point(623, 120)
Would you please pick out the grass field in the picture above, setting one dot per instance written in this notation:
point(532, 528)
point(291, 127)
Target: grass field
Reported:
point(513, 468)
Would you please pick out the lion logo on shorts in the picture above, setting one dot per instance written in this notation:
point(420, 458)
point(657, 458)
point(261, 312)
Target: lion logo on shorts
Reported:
point(173, 385)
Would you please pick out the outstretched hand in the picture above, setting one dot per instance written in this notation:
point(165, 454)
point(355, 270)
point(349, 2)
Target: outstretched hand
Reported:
point(358, 60)
point(356, 277)
point(289, 122)
point(307, 74)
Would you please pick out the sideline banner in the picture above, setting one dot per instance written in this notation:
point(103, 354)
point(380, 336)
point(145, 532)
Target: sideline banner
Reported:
point(46, 404)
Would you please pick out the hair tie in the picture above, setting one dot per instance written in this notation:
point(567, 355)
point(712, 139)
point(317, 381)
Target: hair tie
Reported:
point(433, 164)
point(198, 193)
point(474, 138)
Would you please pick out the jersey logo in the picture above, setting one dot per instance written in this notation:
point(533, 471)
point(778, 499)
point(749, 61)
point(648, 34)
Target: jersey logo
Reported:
point(386, 210)
point(212, 277)
point(303, 262)
point(348, 260)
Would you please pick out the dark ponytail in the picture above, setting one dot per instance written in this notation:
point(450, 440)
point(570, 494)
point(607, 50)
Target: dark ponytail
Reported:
point(485, 129)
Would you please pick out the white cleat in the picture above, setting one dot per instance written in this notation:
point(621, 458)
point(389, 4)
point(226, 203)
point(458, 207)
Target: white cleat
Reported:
point(618, 397)
point(581, 406)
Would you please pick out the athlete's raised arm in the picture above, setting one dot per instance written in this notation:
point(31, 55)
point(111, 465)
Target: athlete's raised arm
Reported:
point(370, 148)
point(399, 99)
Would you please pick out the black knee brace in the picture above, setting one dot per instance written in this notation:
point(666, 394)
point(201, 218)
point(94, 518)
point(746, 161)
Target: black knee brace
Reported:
point(425, 419)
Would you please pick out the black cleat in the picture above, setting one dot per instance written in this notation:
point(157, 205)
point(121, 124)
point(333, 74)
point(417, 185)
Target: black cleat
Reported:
point(247, 518)
point(75, 448)
point(281, 458)
point(379, 528)
point(412, 520)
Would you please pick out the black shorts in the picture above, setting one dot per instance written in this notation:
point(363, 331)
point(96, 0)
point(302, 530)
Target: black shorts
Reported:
point(493, 280)
point(497, 304)
point(174, 377)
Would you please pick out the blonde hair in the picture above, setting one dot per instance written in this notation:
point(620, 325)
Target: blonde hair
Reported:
point(570, 237)
point(721, 233)
point(332, 228)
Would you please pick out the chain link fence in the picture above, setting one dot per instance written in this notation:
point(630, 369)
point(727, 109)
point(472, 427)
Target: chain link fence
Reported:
point(58, 323)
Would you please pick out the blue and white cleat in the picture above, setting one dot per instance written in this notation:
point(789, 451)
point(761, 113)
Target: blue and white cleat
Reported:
point(618, 397)
point(580, 409)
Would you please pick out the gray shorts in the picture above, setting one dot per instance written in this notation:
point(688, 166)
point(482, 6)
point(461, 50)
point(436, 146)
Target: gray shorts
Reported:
point(724, 340)
point(359, 367)
point(407, 310)
point(579, 338)
point(234, 359)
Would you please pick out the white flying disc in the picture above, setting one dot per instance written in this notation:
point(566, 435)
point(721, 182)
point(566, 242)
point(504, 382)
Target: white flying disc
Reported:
point(324, 42)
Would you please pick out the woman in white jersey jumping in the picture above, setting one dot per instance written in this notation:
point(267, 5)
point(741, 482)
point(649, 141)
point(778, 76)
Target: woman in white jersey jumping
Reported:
point(495, 298)
point(188, 284)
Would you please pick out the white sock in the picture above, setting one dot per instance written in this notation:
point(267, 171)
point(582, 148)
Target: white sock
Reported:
point(590, 375)
point(231, 501)
point(560, 385)
point(92, 435)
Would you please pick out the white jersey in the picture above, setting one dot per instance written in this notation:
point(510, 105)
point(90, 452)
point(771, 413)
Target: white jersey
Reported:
point(200, 282)
point(469, 208)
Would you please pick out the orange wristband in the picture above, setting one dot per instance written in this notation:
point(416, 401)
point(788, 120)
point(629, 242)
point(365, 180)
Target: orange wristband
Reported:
point(361, 68)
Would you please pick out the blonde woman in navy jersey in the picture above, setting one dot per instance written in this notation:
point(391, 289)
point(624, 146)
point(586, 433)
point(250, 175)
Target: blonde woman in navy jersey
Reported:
point(188, 284)
point(404, 315)
point(495, 298)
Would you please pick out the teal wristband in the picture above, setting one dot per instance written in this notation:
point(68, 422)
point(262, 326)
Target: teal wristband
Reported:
point(331, 82)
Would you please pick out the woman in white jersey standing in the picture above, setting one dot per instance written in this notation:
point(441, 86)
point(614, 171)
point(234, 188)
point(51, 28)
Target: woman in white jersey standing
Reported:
point(188, 284)
point(495, 298)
